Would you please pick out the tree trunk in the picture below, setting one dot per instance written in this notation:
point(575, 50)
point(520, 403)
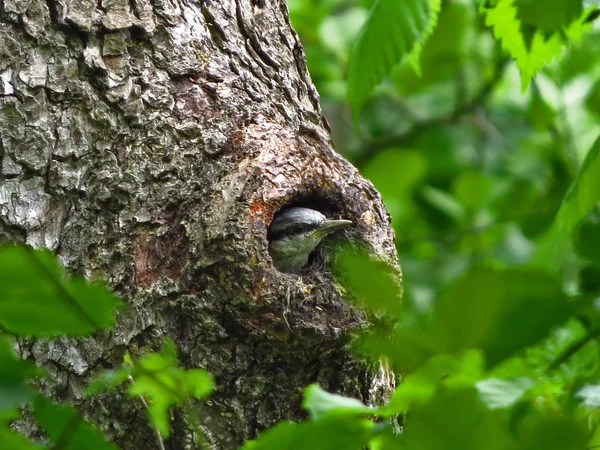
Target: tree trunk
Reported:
point(149, 144)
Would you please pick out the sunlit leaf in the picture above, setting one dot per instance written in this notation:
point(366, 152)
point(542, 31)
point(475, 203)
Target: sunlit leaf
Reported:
point(498, 393)
point(412, 58)
point(582, 196)
point(156, 377)
point(320, 403)
point(393, 30)
point(534, 32)
point(530, 56)
point(590, 395)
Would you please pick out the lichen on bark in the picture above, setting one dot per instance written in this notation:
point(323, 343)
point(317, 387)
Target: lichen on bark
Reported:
point(149, 145)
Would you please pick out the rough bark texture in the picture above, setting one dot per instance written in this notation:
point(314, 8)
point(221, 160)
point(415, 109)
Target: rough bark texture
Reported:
point(149, 143)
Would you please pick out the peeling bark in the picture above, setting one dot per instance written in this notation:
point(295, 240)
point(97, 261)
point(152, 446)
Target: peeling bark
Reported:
point(149, 145)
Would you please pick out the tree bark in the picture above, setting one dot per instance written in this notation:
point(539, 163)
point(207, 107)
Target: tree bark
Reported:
point(149, 144)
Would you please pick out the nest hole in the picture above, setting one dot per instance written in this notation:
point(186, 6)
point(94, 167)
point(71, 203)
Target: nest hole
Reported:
point(333, 207)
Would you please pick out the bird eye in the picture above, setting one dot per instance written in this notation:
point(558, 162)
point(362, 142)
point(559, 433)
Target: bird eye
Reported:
point(298, 229)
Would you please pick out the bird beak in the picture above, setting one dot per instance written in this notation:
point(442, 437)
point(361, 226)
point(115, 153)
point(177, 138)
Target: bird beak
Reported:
point(329, 226)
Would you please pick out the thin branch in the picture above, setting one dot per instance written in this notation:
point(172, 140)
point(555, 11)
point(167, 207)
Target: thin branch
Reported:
point(574, 348)
point(161, 444)
point(192, 414)
point(468, 230)
point(466, 107)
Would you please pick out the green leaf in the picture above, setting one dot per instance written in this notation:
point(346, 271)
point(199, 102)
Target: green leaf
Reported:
point(533, 32)
point(393, 30)
point(548, 16)
point(499, 311)
point(552, 432)
point(386, 440)
point(472, 189)
point(199, 383)
point(587, 241)
point(37, 299)
point(448, 370)
point(108, 380)
point(435, 6)
point(14, 374)
point(443, 202)
point(455, 419)
point(497, 393)
point(320, 403)
point(581, 197)
point(330, 433)
point(384, 169)
point(531, 55)
point(157, 378)
point(590, 395)
point(369, 280)
point(64, 425)
point(583, 194)
point(13, 441)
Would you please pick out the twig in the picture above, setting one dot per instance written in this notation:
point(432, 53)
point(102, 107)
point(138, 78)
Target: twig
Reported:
point(574, 348)
point(455, 234)
point(161, 444)
point(465, 108)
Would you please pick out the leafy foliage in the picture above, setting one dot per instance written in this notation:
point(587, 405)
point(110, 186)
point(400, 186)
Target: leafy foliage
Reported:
point(155, 377)
point(14, 373)
point(533, 32)
point(66, 428)
point(489, 168)
point(494, 197)
point(37, 299)
point(392, 31)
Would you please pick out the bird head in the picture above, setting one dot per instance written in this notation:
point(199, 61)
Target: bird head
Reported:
point(295, 233)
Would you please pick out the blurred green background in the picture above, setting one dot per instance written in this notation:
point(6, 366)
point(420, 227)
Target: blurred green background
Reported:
point(471, 168)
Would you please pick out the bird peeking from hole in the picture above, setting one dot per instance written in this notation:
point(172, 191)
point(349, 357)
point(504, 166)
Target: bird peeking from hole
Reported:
point(294, 234)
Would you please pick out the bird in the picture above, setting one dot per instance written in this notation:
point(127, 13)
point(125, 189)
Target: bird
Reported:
point(294, 234)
